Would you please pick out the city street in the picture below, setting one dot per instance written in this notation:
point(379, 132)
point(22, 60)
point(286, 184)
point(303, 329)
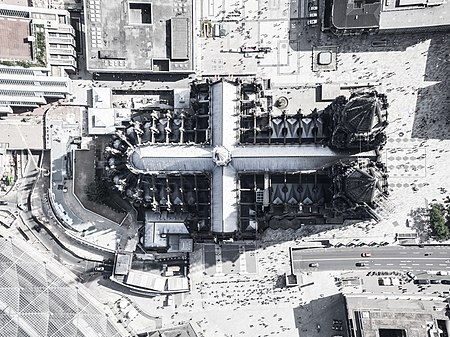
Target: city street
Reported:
point(413, 259)
point(24, 225)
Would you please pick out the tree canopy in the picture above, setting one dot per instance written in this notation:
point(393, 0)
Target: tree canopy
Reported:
point(439, 221)
point(97, 191)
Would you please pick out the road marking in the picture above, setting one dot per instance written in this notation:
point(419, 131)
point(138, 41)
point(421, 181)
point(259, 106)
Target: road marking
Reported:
point(442, 264)
point(402, 264)
point(406, 261)
point(416, 264)
point(389, 264)
point(428, 264)
point(404, 253)
point(377, 264)
point(312, 259)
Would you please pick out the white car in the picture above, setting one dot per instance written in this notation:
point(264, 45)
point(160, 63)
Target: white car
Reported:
point(313, 14)
point(313, 8)
point(311, 22)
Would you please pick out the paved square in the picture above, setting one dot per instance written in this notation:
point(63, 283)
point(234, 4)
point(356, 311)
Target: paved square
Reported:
point(229, 259)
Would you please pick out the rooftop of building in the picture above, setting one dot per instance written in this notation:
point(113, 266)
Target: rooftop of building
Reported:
point(410, 313)
point(13, 39)
point(22, 133)
point(414, 14)
point(14, 2)
point(137, 36)
point(356, 14)
point(390, 15)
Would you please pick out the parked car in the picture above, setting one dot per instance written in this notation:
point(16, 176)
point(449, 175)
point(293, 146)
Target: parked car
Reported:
point(337, 321)
point(311, 22)
point(445, 281)
point(422, 281)
point(379, 43)
point(313, 8)
point(3, 202)
point(411, 275)
point(443, 272)
point(312, 14)
point(337, 327)
point(366, 254)
point(435, 281)
point(99, 268)
point(314, 265)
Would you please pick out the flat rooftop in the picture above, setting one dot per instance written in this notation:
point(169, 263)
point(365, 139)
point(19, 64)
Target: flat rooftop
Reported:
point(408, 313)
point(356, 14)
point(13, 34)
point(392, 17)
point(136, 36)
point(14, 2)
point(22, 135)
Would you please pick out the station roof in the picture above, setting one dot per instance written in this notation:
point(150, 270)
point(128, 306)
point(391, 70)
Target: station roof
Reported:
point(151, 281)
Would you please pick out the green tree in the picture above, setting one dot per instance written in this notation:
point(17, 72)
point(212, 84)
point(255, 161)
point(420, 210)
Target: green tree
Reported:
point(97, 191)
point(437, 215)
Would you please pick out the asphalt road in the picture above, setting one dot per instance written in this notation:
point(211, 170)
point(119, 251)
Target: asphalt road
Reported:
point(413, 259)
point(17, 203)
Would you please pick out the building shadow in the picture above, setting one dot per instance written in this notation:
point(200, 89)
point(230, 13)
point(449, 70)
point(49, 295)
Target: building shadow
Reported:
point(432, 112)
point(325, 316)
point(304, 37)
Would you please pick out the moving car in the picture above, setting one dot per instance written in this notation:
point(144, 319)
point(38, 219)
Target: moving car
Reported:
point(366, 254)
point(361, 264)
point(314, 265)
